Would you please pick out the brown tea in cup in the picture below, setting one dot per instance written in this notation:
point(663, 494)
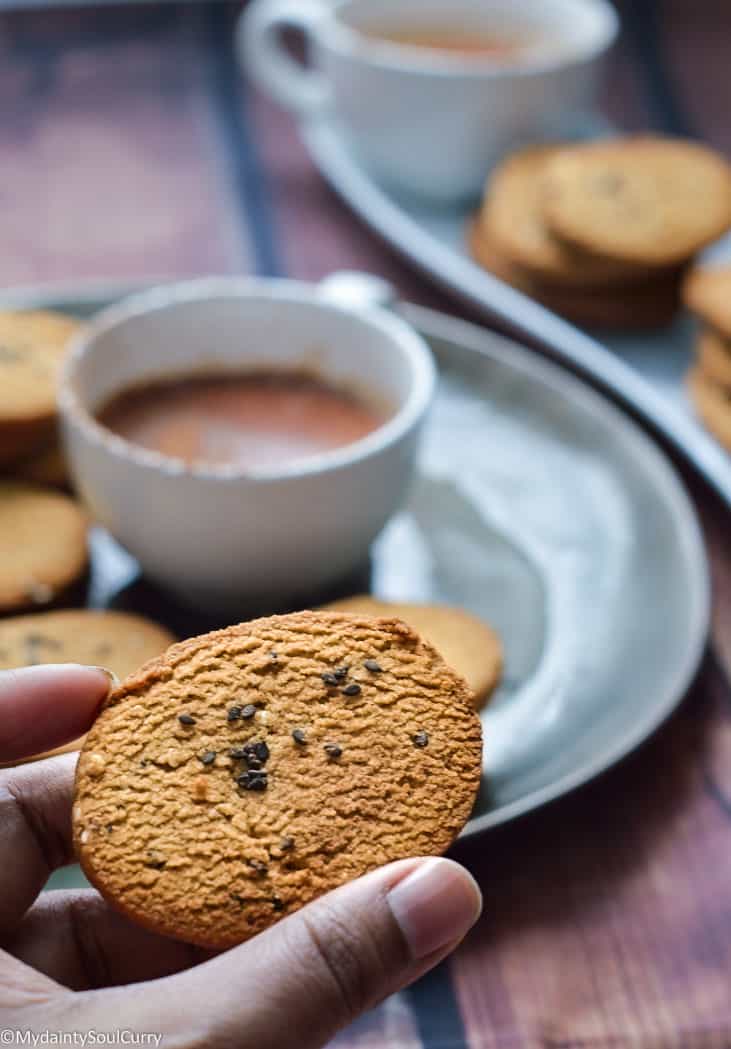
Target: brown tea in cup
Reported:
point(263, 420)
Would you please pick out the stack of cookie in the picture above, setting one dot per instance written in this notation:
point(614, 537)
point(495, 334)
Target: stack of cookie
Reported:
point(602, 233)
point(43, 531)
point(32, 346)
point(707, 294)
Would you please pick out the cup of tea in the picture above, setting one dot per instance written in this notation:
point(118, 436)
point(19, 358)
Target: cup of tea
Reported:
point(244, 439)
point(431, 93)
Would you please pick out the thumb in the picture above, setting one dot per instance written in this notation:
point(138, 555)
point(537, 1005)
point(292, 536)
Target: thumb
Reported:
point(315, 971)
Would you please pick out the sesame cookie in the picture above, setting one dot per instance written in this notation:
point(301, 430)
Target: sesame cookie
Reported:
point(646, 305)
point(43, 548)
point(115, 640)
point(713, 405)
point(32, 346)
point(707, 293)
point(645, 200)
point(466, 643)
point(512, 219)
point(248, 771)
point(714, 357)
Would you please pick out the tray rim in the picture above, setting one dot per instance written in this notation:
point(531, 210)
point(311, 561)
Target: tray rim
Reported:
point(436, 325)
point(497, 301)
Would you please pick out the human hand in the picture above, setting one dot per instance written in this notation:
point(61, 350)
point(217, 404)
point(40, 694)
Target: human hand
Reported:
point(72, 963)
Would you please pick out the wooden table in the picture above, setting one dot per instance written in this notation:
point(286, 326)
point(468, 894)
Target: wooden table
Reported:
point(130, 148)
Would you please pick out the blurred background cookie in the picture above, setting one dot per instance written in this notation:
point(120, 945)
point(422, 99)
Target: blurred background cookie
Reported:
point(641, 200)
point(602, 234)
point(511, 220)
point(32, 346)
point(465, 642)
point(115, 640)
point(712, 402)
point(713, 354)
point(43, 545)
point(707, 294)
point(647, 304)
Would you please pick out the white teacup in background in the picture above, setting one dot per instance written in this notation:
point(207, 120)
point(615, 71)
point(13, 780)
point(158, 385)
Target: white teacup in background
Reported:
point(428, 121)
point(224, 537)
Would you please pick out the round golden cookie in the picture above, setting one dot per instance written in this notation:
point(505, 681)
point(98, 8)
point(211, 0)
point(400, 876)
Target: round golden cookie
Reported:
point(642, 306)
point(707, 293)
point(115, 640)
point(32, 346)
point(43, 548)
point(714, 357)
point(465, 642)
point(47, 466)
point(648, 201)
point(512, 220)
point(248, 771)
point(713, 405)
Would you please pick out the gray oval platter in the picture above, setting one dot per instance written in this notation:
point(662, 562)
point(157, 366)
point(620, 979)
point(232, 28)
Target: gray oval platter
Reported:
point(541, 507)
point(644, 372)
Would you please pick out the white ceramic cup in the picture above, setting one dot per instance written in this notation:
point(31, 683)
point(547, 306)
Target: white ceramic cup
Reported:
point(223, 537)
point(429, 122)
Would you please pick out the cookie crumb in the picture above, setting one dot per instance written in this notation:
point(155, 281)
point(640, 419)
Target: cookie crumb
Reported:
point(95, 765)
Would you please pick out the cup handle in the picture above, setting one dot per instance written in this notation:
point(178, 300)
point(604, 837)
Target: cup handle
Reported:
point(305, 92)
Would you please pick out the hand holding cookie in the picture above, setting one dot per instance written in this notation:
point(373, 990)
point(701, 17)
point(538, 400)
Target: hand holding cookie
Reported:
point(71, 961)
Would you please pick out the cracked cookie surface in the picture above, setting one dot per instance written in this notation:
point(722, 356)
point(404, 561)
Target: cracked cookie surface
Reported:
point(248, 771)
point(466, 643)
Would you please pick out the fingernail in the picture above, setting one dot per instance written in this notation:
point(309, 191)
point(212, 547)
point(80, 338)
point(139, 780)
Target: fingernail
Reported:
point(435, 905)
point(112, 678)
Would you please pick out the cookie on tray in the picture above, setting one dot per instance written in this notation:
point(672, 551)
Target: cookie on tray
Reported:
point(712, 403)
point(32, 346)
point(642, 200)
point(466, 643)
point(714, 357)
point(649, 304)
point(115, 640)
point(707, 293)
point(43, 545)
point(246, 772)
point(512, 220)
